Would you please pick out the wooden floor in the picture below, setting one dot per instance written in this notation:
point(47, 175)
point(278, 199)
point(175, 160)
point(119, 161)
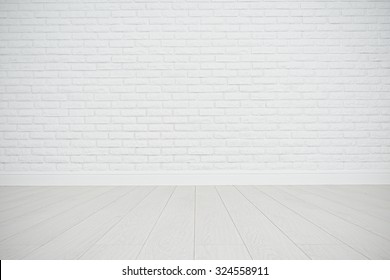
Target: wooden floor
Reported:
point(223, 222)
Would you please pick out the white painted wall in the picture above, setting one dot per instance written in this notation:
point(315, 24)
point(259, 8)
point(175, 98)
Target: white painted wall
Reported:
point(125, 86)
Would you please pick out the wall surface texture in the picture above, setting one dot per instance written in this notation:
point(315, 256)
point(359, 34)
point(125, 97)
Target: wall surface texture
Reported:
point(245, 85)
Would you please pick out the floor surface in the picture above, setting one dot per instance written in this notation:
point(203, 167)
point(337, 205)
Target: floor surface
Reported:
point(223, 222)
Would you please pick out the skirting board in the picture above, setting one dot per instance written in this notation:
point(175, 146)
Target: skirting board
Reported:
point(199, 178)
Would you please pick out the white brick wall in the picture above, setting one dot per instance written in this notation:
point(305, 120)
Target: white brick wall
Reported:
point(121, 85)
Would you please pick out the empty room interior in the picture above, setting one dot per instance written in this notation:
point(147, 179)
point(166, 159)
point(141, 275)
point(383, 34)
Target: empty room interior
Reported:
point(195, 129)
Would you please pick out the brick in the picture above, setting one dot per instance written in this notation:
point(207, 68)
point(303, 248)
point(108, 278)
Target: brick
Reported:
point(245, 85)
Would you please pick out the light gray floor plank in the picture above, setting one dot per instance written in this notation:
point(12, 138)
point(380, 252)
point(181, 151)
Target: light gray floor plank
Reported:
point(382, 192)
point(34, 205)
point(30, 196)
point(349, 199)
point(303, 232)
point(13, 193)
point(362, 194)
point(162, 222)
point(19, 224)
point(173, 235)
point(24, 202)
point(215, 233)
point(8, 193)
point(221, 252)
point(330, 252)
point(263, 239)
point(384, 188)
point(359, 218)
point(366, 243)
point(23, 243)
point(71, 245)
point(125, 239)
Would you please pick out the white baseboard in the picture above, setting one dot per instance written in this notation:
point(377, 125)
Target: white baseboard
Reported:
point(378, 177)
